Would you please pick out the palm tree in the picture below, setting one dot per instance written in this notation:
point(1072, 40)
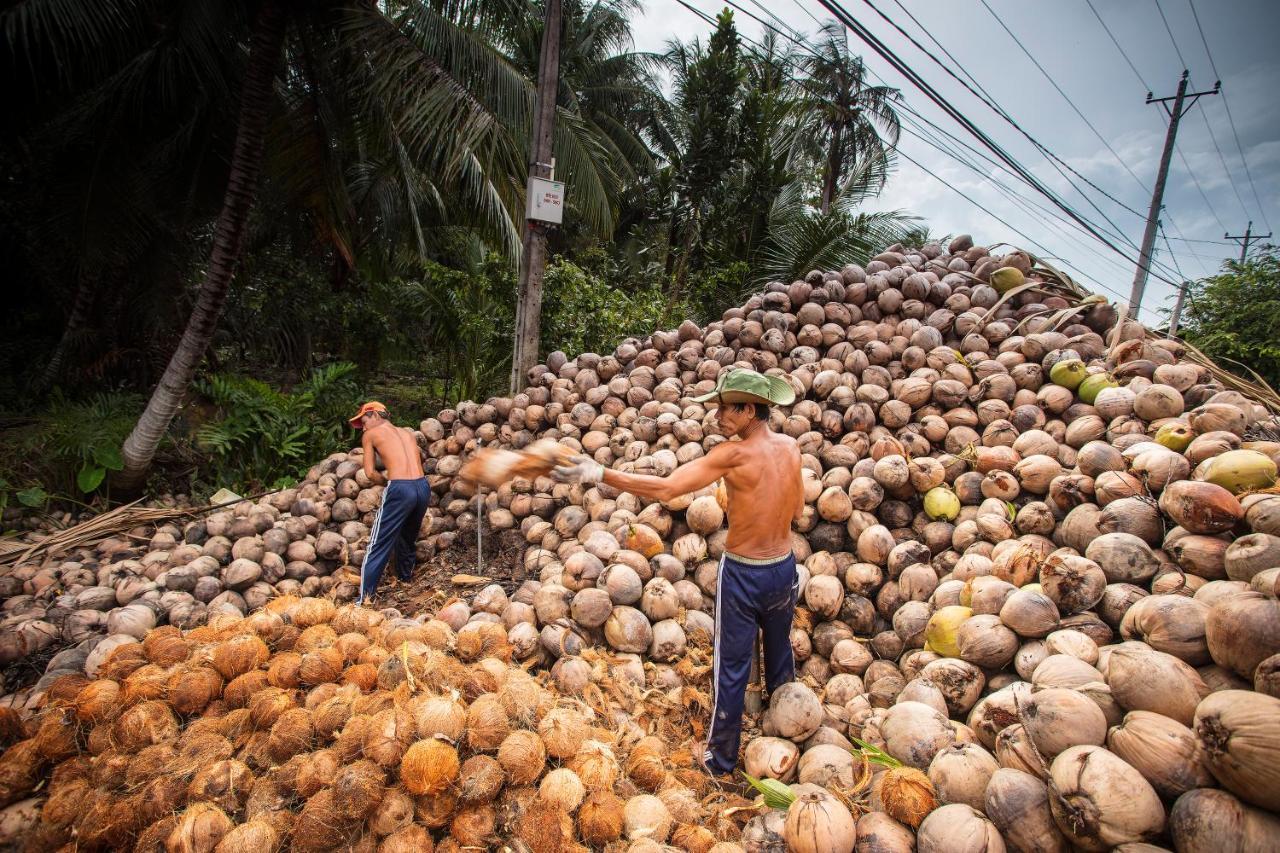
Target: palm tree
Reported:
point(372, 124)
point(853, 121)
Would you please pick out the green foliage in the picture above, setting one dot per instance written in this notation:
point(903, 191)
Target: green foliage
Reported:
point(266, 437)
point(86, 435)
point(1233, 316)
point(584, 312)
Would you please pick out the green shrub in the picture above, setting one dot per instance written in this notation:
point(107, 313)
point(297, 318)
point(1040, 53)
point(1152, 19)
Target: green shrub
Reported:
point(265, 437)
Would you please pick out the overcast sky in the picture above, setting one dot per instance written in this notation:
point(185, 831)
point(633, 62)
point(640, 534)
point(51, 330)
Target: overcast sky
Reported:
point(1072, 46)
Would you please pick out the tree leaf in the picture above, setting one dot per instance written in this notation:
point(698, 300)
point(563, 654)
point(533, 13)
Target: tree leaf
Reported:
point(108, 456)
point(33, 497)
point(90, 477)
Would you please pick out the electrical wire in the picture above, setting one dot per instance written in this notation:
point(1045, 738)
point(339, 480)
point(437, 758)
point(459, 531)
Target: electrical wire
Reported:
point(1136, 73)
point(844, 16)
point(1132, 67)
point(1027, 205)
point(1065, 97)
point(1226, 104)
point(1169, 30)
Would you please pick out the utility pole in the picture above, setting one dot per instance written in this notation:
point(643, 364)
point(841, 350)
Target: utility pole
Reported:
point(1177, 310)
point(533, 257)
point(1246, 239)
point(1180, 108)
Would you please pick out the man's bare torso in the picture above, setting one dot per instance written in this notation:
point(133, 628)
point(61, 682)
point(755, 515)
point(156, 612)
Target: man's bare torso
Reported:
point(765, 490)
point(398, 450)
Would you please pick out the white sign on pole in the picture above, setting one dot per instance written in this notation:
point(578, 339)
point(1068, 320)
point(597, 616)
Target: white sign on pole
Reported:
point(545, 200)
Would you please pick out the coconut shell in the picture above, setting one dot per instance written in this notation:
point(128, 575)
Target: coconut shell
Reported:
point(1101, 802)
point(906, 794)
point(429, 767)
point(1239, 733)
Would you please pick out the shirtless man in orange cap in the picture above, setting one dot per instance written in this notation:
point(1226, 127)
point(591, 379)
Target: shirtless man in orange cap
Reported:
point(405, 495)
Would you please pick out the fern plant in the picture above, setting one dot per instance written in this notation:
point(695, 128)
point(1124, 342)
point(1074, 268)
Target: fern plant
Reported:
point(82, 438)
point(268, 437)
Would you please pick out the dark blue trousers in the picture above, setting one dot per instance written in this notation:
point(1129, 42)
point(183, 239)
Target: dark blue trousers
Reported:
point(748, 598)
point(404, 503)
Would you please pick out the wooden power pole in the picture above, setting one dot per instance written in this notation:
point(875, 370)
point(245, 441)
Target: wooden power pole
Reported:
point(1247, 238)
point(533, 257)
point(1180, 108)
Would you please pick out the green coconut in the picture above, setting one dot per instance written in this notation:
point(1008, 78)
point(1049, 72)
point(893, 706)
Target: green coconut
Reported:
point(1092, 385)
point(941, 503)
point(1242, 471)
point(1007, 278)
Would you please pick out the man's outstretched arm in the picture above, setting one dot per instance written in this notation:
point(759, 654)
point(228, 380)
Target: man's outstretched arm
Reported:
point(687, 478)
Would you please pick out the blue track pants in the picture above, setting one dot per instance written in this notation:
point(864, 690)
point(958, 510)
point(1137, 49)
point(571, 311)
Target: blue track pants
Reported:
point(749, 597)
point(404, 503)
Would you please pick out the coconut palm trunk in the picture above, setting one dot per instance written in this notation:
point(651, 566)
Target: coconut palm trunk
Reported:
point(75, 322)
point(834, 165)
point(228, 240)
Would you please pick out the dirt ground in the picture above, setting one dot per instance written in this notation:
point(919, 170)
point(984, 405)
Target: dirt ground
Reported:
point(433, 582)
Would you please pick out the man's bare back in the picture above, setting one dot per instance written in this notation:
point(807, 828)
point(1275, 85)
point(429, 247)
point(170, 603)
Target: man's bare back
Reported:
point(396, 446)
point(765, 490)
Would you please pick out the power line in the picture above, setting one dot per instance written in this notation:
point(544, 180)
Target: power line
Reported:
point(1142, 80)
point(1013, 196)
point(1169, 30)
point(1203, 197)
point(1017, 170)
point(1066, 98)
point(1230, 178)
point(1230, 119)
point(986, 100)
point(1123, 53)
point(902, 68)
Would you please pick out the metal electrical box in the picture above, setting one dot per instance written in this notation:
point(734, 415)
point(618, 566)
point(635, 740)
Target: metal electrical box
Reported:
point(545, 200)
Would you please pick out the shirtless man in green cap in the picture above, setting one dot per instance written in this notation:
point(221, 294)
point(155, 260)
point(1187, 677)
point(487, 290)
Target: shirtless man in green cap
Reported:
point(757, 581)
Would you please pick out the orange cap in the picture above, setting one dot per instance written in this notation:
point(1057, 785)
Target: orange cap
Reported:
point(371, 406)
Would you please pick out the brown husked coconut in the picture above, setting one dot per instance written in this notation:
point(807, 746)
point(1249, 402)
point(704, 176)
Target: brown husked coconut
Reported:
point(914, 733)
point(1239, 733)
point(1242, 630)
point(563, 730)
point(646, 765)
point(1201, 507)
point(1173, 624)
point(958, 827)
point(487, 723)
point(794, 711)
point(960, 773)
point(199, 829)
point(1100, 802)
point(600, 818)
point(1142, 679)
point(771, 758)
point(1018, 804)
point(429, 767)
point(819, 823)
point(562, 787)
point(1057, 719)
point(1164, 751)
point(1207, 820)
point(522, 756)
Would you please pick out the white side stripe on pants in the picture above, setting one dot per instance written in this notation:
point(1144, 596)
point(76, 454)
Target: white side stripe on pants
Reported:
point(715, 656)
point(373, 537)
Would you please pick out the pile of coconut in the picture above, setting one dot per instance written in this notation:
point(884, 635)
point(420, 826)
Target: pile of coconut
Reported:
point(335, 728)
point(1038, 563)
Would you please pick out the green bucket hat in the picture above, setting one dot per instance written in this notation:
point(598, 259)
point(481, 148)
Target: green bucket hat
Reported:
point(747, 386)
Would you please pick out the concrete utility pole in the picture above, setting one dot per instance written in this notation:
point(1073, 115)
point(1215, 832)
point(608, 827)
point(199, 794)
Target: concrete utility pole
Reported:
point(1180, 108)
point(1247, 238)
point(1177, 310)
point(533, 258)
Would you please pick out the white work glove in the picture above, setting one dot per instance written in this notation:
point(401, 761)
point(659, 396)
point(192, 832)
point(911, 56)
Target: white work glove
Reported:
point(582, 469)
